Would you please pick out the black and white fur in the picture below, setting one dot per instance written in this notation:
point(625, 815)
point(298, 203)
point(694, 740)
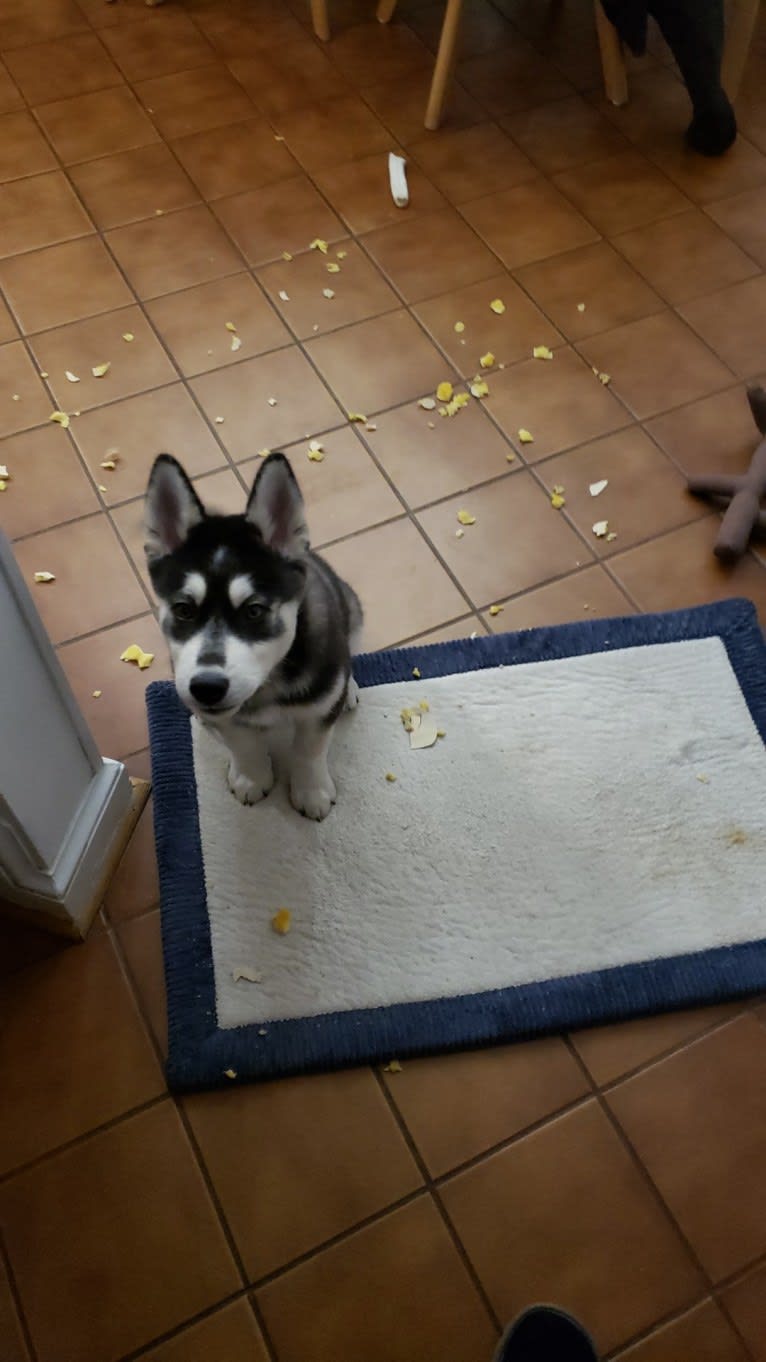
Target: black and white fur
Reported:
point(260, 629)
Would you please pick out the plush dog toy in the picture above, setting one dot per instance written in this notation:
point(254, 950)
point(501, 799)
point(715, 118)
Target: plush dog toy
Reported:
point(744, 493)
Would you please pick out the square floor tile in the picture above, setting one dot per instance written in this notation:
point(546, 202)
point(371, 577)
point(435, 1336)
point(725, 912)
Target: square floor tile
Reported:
point(378, 363)
point(134, 889)
point(659, 108)
point(175, 251)
point(117, 716)
point(298, 1161)
point(587, 594)
point(341, 1303)
point(733, 322)
point(246, 29)
point(419, 256)
point(596, 277)
point(514, 78)
point(140, 428)
point(370, 52)
point(96, 124)
point(52, 1097)
point(82, 346)
point(107, 16)
point(241, 393)
point(518, 540)
point(279, 217)
point(193, 324)
point(707, 178)
point(563, 134)
point(715, 434)
point(743, 218)
point(8, 328)
point(470, 162)
point(121, 1189)
point(745, 1302)
point(192, 101)
point(621, 192)
point(23, 24)
point(528, 223)
point(510, 336)
point(133, 185)
point(10, 97)
point(465, 627)
point(23, 399)
point(458, 1106)
point(704, 1334)
point(359, 290)
point(344, 494)
point(656, 363)
point(610, 1052)
point(66, 66)
point(485, 28)
point(558, 1215)
point(170, 43)
point(401, 107)
point(428, 458)
point(560, 402)
point(95, 585)
point(697, 1121)
point(337, 130)
point(141, 941)
point(382, 565)
point(646, 494)
point(62, 283)
point(359, 191)
point(685, 256)
point(230, 1333)
point(47, 483)
point(679, 570)
point(38, 212)
point(10, 1324)
point(23, 149)
point(231, 160)
point(288, 76)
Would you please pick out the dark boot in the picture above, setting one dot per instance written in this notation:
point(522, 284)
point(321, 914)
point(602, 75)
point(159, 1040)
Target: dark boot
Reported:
point(694, 32)
point(545, 1334)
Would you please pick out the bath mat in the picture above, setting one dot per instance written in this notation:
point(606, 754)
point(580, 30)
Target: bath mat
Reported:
point(586, 842)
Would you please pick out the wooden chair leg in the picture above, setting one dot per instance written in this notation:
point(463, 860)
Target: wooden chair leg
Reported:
point(740, 28)
point(320, 19)
point(612, 59)
point(385, 10)
point(445, 63)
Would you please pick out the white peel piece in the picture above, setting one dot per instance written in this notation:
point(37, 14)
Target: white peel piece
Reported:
point(596, 488)
point(397, 175)
point(244, 972)
point(425, 733)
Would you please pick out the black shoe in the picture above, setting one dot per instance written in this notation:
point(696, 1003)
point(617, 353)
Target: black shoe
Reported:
point(713, 128)
point(545, 1334)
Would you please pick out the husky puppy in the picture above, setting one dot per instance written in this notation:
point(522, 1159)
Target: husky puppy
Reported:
point(260, 629)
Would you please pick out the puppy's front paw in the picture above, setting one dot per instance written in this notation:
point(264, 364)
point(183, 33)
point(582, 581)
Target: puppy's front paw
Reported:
point(248, 789)
point(352, 695)
point(313, 797)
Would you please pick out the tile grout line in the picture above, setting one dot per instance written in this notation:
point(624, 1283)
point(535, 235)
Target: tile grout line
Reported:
point(17, 1304)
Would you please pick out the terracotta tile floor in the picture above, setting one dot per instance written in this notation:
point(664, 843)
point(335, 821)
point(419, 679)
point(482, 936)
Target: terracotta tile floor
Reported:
point(154, 166)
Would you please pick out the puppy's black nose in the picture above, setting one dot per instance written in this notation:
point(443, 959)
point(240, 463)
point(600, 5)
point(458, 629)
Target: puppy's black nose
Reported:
point(208, 688)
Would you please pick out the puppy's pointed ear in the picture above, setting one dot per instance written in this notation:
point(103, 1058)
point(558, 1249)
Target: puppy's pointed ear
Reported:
point(275, 507)
point(171, 508)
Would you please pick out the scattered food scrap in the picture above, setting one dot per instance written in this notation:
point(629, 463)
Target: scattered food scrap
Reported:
point(230, 326)
point(70, 376)
point(542, 352)
point(459, 534)
point(328, 292)
point(455, 405)
point(601, 529)
point(356, 416)
point(596, 488)
point(498, 306)
point(3, 485)
point(424, 732)
point(60, 418)
point(487, 360)
point(101, 487)
point(236, 342)
point(97, 694)
point(128, 336)
point(137, 655)
point(581, 307)
point(315, 452)
point(525, 437)
point(99, 370)
point(460, 327)
point(510, 456)
point(416, 673)
point(479, 388)
point(319, 245)
point(272, 401)
point(393, 1067)
point(284, 295)
point(444, 391)
point(230, 1073)
point(219, 420)
point(495, 609)
point(397, 178)
point(332, 268)
point(390, 777)
point(427, 403)
point(557, 498)
point(245, 972)
point(605, 379)
point(16, 397)
point(263, 453)
point(611, 536)
point(282, 921)
point(703, 780)
point(341, 254)
point(45, 576)
point(286, 256)
point(465, 518)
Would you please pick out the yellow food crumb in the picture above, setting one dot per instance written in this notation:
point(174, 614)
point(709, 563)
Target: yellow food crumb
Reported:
point(495, 609)
point(356, 416)
point(487, 360)
point(581, 307)
point(605, 379)
point(498, 306)
point(328, 292)
point(393, 1067)
point(128, 336)
point(282, 921)
point(465, 518)
point(101, 487)
point(444, 391)
point(99, 370)
point(510, 458)
point(315, 451)
point(236, 342)
point(460, 327)
point(97, 695)
point(390, 777)
point(441, 732)
point(601, 528)
point(341, 254)
point(424, 706)
point(230, 326)
point(542, 352)
point(137, 655)
point(230, 1073)
point(479, 388)
point(61, 419)
point(219, 420)
point(557, 501)
point(45, 577)
point(318, 245)
point(109, 463)
point(263, 453)
point(525, 436)
point(332, 268)
point(286, 255)
point(611, 536)
point(3, 485)
point(72, 377)
point(416, 673)
point(456, 404)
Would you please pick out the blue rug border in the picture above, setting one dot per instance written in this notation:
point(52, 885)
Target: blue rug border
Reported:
point(199, 1053)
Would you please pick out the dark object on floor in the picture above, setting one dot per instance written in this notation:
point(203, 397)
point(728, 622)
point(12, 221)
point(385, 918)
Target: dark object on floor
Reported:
point(694, 32)
point(545, 1334)
point(744, 493)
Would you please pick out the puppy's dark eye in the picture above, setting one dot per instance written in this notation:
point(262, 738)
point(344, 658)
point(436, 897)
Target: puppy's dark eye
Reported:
point(254, 610)
point(184, 610)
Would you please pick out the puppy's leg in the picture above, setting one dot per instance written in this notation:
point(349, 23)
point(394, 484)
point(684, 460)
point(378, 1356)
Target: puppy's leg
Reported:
point(312, 791)
point(352, 695)
point(250, 774)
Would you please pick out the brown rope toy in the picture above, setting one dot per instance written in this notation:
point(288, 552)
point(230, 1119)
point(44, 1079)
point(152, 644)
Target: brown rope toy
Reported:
point(744, 493)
